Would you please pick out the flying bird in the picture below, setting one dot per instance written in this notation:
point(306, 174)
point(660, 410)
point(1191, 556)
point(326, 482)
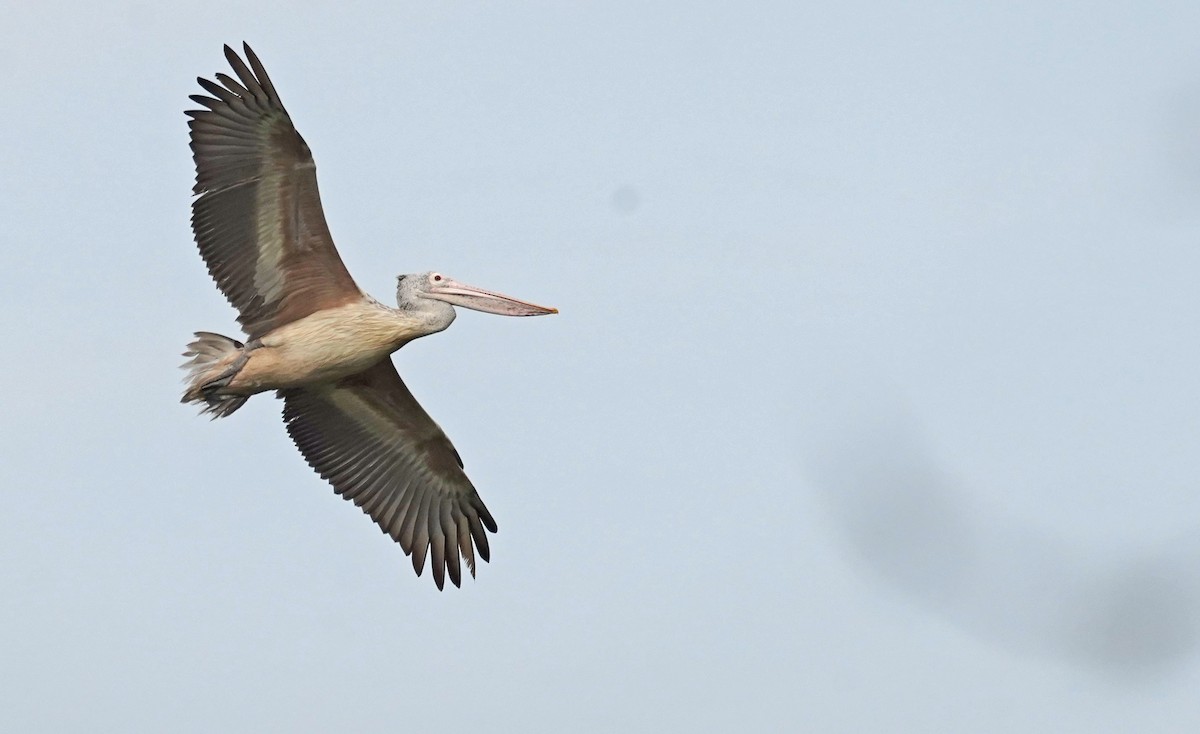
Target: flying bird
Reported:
point(322, 344)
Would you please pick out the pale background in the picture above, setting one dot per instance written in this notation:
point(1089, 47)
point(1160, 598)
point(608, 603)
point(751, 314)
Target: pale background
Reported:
point(873, 404)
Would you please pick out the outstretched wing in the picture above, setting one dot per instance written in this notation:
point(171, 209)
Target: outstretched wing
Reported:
point(370, 438)
point(258, 220)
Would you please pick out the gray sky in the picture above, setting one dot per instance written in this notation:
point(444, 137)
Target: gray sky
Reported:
point(872, 405)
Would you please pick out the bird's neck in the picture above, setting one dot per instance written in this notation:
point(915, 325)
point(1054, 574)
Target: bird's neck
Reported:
point(414, 323)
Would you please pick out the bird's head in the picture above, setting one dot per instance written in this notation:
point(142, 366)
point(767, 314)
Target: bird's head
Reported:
point(435, 293)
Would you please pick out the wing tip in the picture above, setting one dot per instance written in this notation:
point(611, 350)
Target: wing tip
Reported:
point(250, 55)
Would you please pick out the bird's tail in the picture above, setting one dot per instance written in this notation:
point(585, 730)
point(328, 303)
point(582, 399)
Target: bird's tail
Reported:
point(215, 359)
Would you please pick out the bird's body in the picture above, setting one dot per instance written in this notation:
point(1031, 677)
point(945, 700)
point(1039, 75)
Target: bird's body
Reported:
point(314, 337)
point(324, 346)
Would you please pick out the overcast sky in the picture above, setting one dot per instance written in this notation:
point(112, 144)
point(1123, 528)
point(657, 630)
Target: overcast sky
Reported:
point(872, 404)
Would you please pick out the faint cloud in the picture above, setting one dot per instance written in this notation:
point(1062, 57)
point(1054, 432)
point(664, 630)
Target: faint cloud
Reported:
point(898, 518)
point(907, 526)
point(625, 199)
point(1140, 619)
point(1181, 139)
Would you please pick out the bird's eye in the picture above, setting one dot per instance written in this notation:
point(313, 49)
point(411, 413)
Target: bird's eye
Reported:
point(436, 277)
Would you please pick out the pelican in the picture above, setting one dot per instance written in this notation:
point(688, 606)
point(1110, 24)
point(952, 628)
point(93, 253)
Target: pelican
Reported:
point(323, 345)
